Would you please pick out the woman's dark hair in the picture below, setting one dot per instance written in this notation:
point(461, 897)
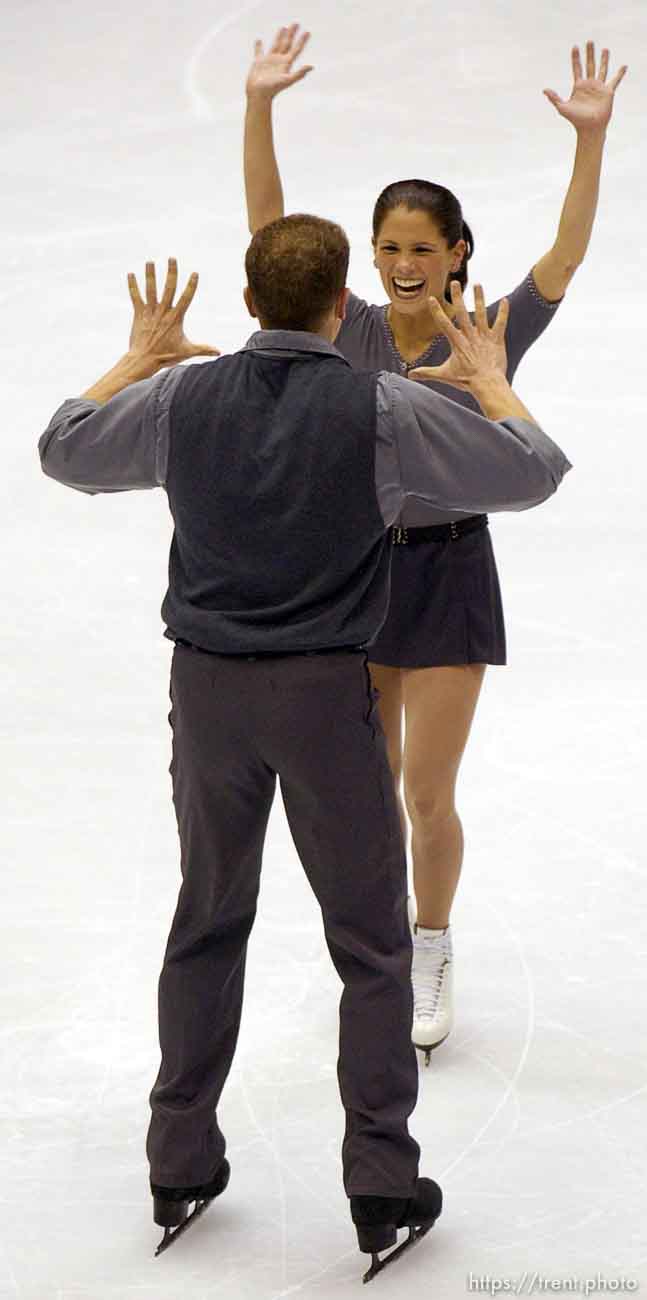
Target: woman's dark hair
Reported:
point(296, 268)
point(439, 203)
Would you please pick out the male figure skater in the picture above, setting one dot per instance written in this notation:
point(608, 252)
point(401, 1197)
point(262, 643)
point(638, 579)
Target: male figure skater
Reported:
point(284, 469)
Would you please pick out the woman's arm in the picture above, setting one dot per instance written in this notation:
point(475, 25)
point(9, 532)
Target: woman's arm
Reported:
point(269, 74)
point(589, 110)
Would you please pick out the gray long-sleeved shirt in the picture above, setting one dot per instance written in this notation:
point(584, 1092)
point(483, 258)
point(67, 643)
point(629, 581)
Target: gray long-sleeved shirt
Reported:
point(367, 341)
point(428, 448)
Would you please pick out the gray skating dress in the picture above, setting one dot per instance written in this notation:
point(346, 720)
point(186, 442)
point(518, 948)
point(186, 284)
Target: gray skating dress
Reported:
point(445, 603)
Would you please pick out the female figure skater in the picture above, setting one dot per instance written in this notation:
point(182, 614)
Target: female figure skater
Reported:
point(445, 620)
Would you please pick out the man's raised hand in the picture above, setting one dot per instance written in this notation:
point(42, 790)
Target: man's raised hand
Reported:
point(478, 349)
point(272, 72)
point(158, 327)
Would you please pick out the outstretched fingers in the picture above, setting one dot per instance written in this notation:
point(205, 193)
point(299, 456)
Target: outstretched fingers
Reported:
point(287, 43)
point(275, 47)
point(298, 76)
point(604, 72)
point(170, 286)
point(151, 286)
point(185, 301)
point(204, 350)
point(283, 39)
point(443, 325)
point(479, 308)
point(299, 47)
point(423, 373)
point(500, 321)
point(458, 303)
point(576, 62)
point(554, 97)
point(498, 327)
point(615, 82)
point(135, 295)
point(442, 322)
point(578, 74)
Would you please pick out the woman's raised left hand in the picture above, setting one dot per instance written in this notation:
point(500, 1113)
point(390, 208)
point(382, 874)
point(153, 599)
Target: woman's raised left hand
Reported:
point(591, 103)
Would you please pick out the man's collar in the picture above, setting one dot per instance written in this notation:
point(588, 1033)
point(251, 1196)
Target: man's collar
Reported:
point(291, 341)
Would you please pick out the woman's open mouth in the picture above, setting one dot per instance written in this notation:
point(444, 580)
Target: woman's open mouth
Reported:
point(407, 289)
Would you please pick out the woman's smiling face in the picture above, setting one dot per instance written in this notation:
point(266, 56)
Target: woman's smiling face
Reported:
point(413, 259)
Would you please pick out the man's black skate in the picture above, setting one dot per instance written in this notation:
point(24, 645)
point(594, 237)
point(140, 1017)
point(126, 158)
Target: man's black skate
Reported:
point(171, 1205)
point(377, 1219)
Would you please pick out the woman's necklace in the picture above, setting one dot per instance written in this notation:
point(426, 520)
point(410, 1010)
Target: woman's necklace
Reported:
point(408, 362)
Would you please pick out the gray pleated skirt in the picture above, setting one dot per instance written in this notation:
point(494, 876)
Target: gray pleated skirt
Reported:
point(445, 605)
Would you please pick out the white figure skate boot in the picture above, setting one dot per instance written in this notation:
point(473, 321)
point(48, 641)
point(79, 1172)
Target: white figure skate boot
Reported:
point(432, 988)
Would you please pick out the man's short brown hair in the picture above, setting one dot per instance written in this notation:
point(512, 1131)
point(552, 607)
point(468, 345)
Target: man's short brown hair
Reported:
point(296, 268)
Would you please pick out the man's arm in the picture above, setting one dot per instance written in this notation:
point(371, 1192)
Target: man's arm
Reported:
point(269, 74)
point(457, 460)
point(116, 446)
point(115, 436)
point(450, 456)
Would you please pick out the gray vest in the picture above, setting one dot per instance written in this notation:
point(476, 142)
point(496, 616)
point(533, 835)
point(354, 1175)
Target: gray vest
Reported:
point(279, 542)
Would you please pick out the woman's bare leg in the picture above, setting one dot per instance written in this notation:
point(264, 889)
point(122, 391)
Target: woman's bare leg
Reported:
point(439, 705)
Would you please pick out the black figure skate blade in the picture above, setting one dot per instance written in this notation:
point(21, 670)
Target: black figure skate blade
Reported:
point(378, 1264)
point(426, 1051)
point(171, 1234)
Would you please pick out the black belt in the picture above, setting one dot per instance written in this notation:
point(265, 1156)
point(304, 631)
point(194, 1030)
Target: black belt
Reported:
point(269, 654)
point(438, 532)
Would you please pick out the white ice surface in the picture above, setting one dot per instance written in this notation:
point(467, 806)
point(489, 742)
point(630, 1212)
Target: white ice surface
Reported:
point(121, 142)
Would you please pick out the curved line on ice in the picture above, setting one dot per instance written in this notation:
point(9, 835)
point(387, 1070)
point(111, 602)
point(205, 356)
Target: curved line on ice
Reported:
point(200, 105)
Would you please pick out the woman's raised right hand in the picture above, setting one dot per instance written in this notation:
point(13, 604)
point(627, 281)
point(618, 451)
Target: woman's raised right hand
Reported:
point(272, 72)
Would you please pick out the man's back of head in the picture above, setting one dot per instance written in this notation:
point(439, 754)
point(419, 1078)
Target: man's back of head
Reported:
point(296, 271)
